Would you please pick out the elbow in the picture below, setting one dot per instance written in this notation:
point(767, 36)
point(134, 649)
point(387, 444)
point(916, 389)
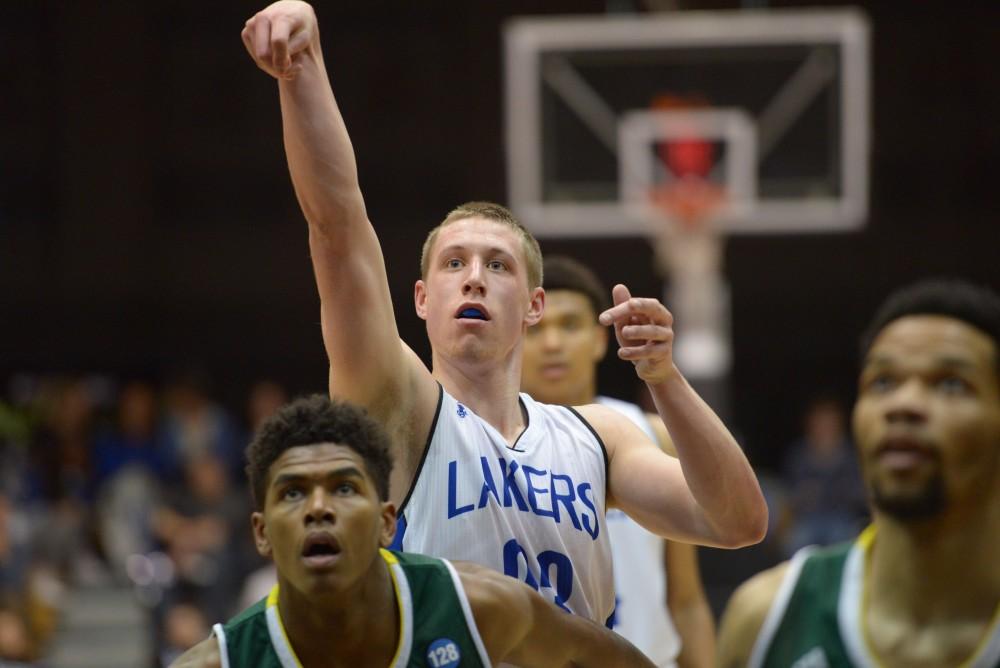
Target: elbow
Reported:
point(751, 529)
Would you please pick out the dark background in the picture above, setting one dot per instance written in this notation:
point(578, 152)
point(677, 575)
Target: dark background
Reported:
point(147, 219)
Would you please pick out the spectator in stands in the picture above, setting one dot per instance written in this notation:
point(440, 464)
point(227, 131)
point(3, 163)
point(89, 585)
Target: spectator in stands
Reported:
point(202, 526)
point(195, 425)
point(825, 501)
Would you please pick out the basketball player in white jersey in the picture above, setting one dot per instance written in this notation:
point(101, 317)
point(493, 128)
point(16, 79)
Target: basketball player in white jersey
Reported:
point(483, 474)
point(660, 602)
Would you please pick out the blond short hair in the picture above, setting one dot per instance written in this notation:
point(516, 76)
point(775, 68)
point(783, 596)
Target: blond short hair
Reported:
point(498, 214)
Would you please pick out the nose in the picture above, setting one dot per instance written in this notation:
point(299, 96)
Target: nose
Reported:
point(318, 508)
point(907, 403)
point(551, 338)
point(474, 283)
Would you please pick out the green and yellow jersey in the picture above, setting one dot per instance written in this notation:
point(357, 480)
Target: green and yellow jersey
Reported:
point(816, 619)
point(437, 629)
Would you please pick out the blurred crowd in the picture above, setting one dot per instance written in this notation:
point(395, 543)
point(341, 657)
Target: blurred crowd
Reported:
point(125, 484)
point(140, 485)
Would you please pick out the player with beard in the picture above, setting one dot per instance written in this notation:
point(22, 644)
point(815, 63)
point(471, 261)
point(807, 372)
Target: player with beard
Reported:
point(921, 586)
point(475, 457)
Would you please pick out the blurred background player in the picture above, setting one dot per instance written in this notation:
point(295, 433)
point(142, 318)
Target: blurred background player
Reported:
point(921, 586)
point(319, 472)
point(660, 602)
point(824, 497)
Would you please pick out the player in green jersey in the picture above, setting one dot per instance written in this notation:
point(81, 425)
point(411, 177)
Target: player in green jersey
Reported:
point(921, 586)
point(319, 472)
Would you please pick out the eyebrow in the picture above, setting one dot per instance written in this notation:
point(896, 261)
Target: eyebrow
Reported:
point(289, 478)
point(492, 250)
point(947, 361)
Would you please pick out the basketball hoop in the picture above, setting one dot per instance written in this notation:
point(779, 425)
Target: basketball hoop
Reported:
point(689, 249)
point(687, 242)
point(689, 201)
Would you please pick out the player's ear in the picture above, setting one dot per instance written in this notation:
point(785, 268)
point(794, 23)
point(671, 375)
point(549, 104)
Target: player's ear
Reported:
point(535, 307)
point(388, 529)
point(260, 538)
point(420, 298)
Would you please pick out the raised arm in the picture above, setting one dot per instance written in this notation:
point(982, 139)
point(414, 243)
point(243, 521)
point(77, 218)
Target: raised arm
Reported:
point(368, 363)
point(518, 626)
point(716, 499)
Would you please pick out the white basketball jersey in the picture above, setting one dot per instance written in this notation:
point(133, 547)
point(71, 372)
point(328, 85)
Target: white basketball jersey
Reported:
point(534, 511)
point(641, 613)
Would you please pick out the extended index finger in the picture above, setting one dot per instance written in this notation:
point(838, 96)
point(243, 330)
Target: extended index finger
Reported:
point(634, 306)
point(619, 294)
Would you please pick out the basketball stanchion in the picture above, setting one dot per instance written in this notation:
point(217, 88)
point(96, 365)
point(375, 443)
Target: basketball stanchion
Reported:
point(689, 250)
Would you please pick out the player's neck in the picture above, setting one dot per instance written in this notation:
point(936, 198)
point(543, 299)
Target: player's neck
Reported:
point(575, 398)
point(490, 389)
point(579, 395)
point(355, 628)
point(940, 568)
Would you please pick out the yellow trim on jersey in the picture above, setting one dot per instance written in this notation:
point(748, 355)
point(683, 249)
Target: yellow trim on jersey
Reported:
point(272, 602)
point(390, 560)
point(866, 540)
point(272, 596)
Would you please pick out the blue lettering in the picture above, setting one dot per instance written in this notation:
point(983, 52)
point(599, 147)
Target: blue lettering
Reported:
point(564, 575)
point(510, 486)
point(532, 491)
point(489, 487)
point(511, 563)
point(565, 499)
point(453, 511)
point(588, 521)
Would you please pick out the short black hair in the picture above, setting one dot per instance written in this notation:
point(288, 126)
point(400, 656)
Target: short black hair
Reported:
point(974, 305)
point(311, 421)
point(564, 273)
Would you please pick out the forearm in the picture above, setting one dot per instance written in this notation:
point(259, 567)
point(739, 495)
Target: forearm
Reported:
point(556, 638)
point(615, 652)
point(688, 606)
point(716, 471)
point(596, 647)
point(318, 148)
point(696, 627)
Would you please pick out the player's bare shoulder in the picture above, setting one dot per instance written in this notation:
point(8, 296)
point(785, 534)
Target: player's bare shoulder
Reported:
point(492, 596)
point(501, 605)
point(203, 655)
point(610, 425)
point(745, 613)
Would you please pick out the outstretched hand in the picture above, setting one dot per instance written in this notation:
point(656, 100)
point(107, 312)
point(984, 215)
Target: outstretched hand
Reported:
point(276, 36)
point(644, 329)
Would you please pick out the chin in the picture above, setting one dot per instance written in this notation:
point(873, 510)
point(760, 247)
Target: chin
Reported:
point(922, 502)
point(472, 351)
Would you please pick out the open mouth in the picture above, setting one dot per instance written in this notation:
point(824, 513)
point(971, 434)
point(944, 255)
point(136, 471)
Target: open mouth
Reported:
point(470, 312)
point(904, 453)
point(554, 371)
point(320, 549)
